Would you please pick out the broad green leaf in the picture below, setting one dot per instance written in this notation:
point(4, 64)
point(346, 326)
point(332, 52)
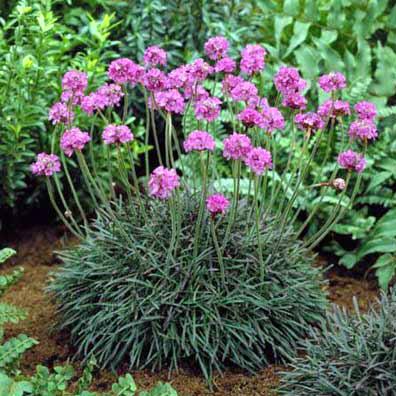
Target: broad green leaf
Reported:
point(300, 32)
point(308, 61)
point(291, 7)
point(385, 269)
point(280, 22)
point(381, 245)
point(348, 260)
point(379, 178)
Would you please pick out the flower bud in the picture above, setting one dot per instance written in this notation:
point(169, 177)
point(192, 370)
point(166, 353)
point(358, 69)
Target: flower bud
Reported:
point(339, 184)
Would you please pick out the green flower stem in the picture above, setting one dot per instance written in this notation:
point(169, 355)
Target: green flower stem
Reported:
point(204, 172)
point(126, 102)
point(218, 251)
point(301, 175)
point(336, 215)
point(71, 185)
point(59, 212)
point(124, 174)
point(107, 152)
point(66, 206)
point(156, 143)
point(146, 138)
point(257, 212)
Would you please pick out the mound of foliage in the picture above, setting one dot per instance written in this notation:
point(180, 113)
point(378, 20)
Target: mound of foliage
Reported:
point(45, 382)
point(350, 355)
point(125, 298)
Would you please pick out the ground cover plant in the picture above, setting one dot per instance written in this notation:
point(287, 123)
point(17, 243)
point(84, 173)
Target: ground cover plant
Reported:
point(352, 354)
point(183, 264)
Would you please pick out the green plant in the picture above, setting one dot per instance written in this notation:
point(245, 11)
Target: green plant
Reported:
point(350, 355)
point(153, 309)
point(12, 349)
point(59, 382)
point(36, 47)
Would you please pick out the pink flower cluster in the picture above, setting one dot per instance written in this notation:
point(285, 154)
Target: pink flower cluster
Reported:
point(60, 114)
point(289, 83)
point(123, 71)
point(352, 161)
point(217, 203)
point(272, 117)
point(216, 48)
point(309, 122)
point(117, 134)
point(363, 130)
point(107, 95)
point(253, 59)
point(154, 80)
point(170, 100)
point(154, 56)
point(243, 91)
point(162, 182)
point(332, 82)
point(251, 118)
point(46, 165)
point(225, 65)
point(237, 146)
point(74, 81)
point(333, 109)
point(258, 160)
point(73, 139)
point(366, 110)
point(199, 141)
point(207, 109)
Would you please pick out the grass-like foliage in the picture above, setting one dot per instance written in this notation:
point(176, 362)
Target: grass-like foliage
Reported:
point(352, 355)
point(124, 297)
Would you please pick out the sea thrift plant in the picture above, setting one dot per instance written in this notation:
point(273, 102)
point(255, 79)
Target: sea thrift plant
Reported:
point(195, 247)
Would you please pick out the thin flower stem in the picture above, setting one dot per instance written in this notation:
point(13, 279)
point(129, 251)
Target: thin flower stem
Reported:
point(218, 251)
point(124, 175)
point(59, 212)
point(155, 135)
point(146, 139)
point(258, 234)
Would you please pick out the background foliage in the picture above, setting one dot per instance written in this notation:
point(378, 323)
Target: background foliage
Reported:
point(40, 39)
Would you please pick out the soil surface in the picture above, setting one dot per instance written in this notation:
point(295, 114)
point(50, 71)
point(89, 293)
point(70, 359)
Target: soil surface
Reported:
point(36, 246)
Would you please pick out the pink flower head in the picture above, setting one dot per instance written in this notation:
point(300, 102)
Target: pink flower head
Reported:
point(288, 81)
point(180, 78)
point(73, 139)
point(111, 93)
point(216, 47)
point(74, 81)
point(74, 98)
point(207, 109)
point(244, 91)
point(366, 110)
point(351, 160)
point(154, 80)
point(230, 82)
point(333, 109)
point(251, 118)
point(295, 101)
point(217, 203)
point(363, 130)
point(225, 65)
point(309, 121)
point(258, 160)
point(46, 165)
point(199, 141)
point(154, 56)
point(199, 70)
point(272, 117)
point(237, 146)
point(116, 134)
point(162, 182)
point(123, 71)
point(253, 58)
point(171, 101)
point(332, 81)
point(60, 114)
point(94, 101)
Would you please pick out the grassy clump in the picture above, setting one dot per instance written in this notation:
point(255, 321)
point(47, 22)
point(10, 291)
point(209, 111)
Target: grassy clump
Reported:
point(124, 296)
point(352, 355)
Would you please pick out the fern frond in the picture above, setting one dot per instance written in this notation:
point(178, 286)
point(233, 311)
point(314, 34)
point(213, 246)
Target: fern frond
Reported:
point(10, 314)
point(12, 350)
point(5, 254)
point(387, 112)
point(6, 281)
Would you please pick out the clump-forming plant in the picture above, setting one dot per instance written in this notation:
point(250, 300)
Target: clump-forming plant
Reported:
point(180, 263)
point(350, 355)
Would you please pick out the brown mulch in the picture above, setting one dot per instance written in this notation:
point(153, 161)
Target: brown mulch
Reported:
point(35, 248)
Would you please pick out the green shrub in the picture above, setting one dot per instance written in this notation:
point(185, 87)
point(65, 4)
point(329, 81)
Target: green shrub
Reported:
point(352, 355)
point(124, 297)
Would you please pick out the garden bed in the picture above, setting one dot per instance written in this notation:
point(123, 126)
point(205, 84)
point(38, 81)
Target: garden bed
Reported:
point(35, 248)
